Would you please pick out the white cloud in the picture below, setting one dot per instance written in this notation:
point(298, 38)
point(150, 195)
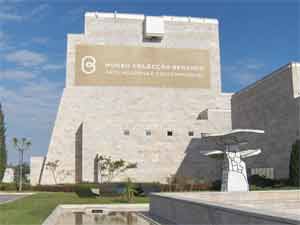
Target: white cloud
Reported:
point(30, 112)
point(53, 67)
point(37, 99)
point(255, 66)
point(244, 72)
point(10, 16)
point(1, 35)
point(39, 10)
point(5, 44)
point(16, 75)
point(32, 97)
point(76, 13)
point(40, 40)
point(32, 107)
point(2, 39)
point(246, 78)
point(9, 13)
point(26, 58)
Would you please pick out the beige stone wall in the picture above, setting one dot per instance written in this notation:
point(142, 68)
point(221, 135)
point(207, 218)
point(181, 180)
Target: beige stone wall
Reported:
point(296, 79)
point(298, 100)
point(127, 30)
point(105, 112)
point(296, 82)
point(270, 105)
point(36, 167)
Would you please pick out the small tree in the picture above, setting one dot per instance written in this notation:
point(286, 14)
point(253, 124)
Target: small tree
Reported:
point(294, 164)
point(130, 190)
point(109, 168)
point(25, 172)
point(21, 146)
point(3, 153)
point(52, 166)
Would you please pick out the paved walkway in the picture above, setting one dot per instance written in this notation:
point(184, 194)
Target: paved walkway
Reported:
point(4, 198)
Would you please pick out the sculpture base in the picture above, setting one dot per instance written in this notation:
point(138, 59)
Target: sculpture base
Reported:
point(235, 182)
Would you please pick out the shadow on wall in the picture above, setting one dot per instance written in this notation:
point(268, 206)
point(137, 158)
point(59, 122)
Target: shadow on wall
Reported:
point(197, 167)
point(203, 169)
point(78, 154)
point(96, 169)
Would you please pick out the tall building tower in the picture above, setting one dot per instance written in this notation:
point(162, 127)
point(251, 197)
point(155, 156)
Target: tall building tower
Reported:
point(142, 89)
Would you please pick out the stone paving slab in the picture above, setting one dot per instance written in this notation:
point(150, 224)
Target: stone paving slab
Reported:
point(6, 197)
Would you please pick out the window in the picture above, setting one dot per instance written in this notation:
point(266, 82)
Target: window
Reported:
point(148, 132)
point(126, 132)
point(169, 133)
point(191, 133)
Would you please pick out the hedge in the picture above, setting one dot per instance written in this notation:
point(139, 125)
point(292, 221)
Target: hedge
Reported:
point(294, 164)
point(110, 189)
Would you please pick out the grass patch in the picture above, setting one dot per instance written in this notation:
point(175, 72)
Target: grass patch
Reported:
point(35, 209)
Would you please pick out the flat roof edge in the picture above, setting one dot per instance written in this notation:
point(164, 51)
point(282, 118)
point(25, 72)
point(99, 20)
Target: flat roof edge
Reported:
point(142, 17)
point(280, 69)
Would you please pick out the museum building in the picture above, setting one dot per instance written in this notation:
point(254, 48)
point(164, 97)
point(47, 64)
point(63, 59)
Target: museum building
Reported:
point(148, 90)
point(271, 104)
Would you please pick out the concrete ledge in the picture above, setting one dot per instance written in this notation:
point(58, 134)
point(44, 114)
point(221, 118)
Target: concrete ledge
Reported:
point(116, 15)
point(227, 208)
point(87, 208)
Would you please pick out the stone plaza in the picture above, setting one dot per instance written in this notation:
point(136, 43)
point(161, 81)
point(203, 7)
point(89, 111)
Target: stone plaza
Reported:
point(148, 90)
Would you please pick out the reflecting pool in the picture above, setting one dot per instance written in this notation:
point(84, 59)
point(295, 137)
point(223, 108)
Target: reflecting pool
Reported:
point(105, 218)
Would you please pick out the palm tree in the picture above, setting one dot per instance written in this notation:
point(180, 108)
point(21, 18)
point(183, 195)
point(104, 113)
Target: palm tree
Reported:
point(21, 146)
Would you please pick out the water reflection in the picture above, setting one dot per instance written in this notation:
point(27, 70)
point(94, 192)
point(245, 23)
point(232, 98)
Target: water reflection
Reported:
point(78, 218)
point(110, 218)
point(117, 218)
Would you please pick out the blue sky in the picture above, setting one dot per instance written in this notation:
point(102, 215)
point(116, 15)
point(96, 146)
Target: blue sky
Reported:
point(256, 37)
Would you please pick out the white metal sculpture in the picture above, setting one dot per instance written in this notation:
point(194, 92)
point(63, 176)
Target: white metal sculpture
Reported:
point(234, 174)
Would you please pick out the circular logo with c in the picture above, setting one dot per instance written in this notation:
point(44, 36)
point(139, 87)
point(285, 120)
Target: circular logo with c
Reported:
point(88, 64)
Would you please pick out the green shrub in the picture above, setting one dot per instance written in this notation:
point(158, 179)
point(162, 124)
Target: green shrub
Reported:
point(3, 153)
point(63, 187)
point(294, 164)
point(85, 191)
point(260, 181)
point(215, 186)
point(110, 189)
point(13, 187)
point(8, 187)
point(130, 190)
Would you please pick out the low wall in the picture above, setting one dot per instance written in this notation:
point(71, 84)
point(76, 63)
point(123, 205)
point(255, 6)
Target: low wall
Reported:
point(207, 208)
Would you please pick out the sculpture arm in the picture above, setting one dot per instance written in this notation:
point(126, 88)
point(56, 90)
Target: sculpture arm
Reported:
point(250, 152)
point(212, 152)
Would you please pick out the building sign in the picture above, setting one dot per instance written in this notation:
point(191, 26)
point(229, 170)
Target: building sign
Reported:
point(98, 65)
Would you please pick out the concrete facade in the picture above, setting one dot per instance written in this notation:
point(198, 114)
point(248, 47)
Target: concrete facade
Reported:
point(132, 122)
point(271, 104)
point(37, 165)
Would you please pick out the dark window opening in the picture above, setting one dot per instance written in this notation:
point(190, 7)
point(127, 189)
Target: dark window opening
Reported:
point(148, 132)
